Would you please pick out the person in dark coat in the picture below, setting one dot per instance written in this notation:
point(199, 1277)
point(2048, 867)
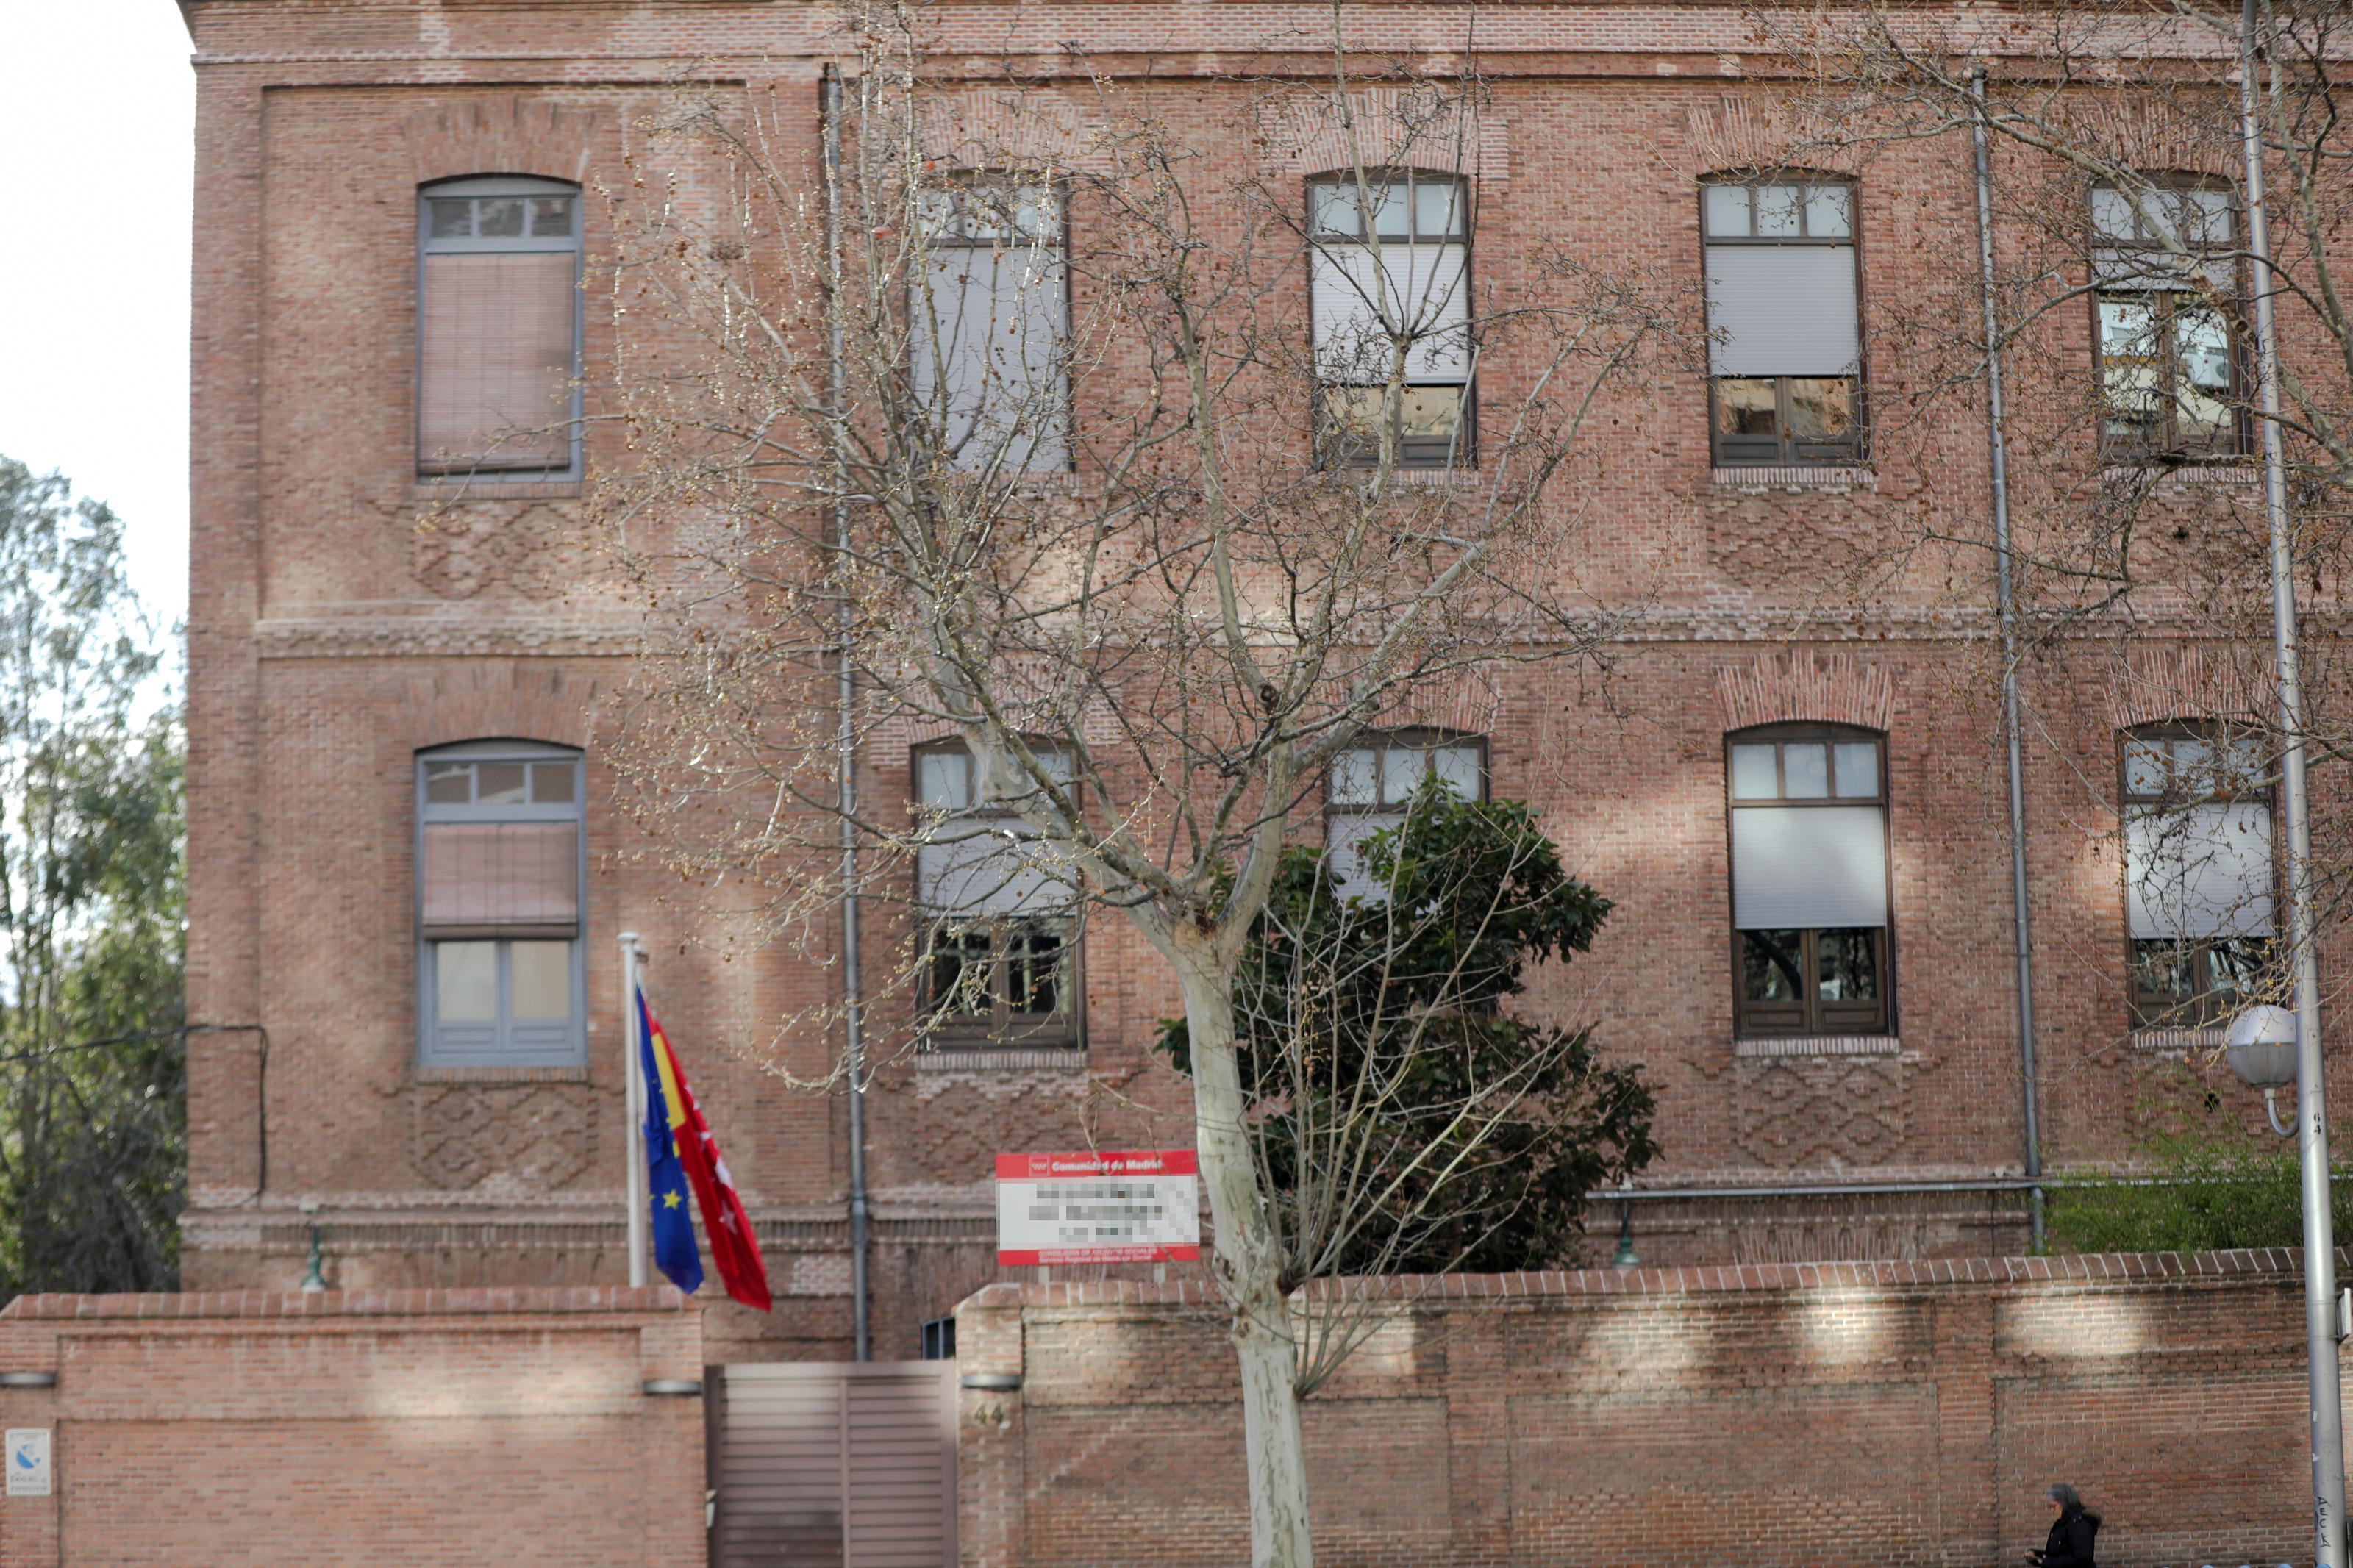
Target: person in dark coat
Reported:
point(2073, 1528)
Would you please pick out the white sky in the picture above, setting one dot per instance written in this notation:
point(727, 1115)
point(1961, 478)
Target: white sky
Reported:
point(97, 110)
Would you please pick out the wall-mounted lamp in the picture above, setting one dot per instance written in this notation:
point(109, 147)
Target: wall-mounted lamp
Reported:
point(2261, 1051)
point(28, 1380)
point(671, 1387)
point(991, 1382)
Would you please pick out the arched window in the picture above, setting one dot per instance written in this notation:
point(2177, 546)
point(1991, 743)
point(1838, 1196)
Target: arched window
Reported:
point(2199, 884)
point(1784, 350)
point(500, 970)
point(1371, 784)
point(1391, 258)
point(2169, 363)
point(999, 913)
point(1808, 809)
point(498, 328)
point(988, 328)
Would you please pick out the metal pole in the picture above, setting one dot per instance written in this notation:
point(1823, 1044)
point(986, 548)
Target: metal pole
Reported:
point(2008, 610)
point(2311, 1091)
point(846, 758)
point(634, 1135)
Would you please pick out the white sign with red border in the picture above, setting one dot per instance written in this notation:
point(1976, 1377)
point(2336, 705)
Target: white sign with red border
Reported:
point(1128, 1205)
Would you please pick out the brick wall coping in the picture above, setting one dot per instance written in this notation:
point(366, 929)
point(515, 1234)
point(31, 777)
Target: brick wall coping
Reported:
point(2088, 1267)
point(477, 1301)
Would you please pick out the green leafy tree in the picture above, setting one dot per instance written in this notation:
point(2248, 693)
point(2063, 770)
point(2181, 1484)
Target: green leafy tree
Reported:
point(93, 1145)
point(1404, 1120)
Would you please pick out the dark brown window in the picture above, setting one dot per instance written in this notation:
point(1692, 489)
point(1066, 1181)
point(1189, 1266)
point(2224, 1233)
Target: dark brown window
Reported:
point(1784, 350)
point(498, 335)
point(1370, 785)
point(2198, 872)
point(999, 913)
point(1391, 258)
point(2169, 361)
point(1808, 810)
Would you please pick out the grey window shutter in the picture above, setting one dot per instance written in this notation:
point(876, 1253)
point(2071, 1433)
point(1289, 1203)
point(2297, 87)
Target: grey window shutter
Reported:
point(1782, 310)
point(513, 880)
point(1343, 842)
point(1426, 286)
point(989, 345)
point(1808, 867)
point(1001, 871)
point(2199, 872)
point(497, 362)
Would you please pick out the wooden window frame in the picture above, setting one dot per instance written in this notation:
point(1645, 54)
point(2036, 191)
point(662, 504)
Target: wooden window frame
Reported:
point(477, 187)
point(2166, 446)
point(1004, 1027)
point(1789, 450)
point(1461, 450)
point(2207, 1006)
point(1809, 1017)
point(433, 1048)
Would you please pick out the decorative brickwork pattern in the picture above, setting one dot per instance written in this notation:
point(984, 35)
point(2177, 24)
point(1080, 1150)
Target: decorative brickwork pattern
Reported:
point(1832, 688)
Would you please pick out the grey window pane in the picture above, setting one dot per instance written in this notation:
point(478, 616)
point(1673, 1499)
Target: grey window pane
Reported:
point(1822, 407)
point(1355, 776)
point(1858, 769)
point(1827, 214)
point(2209, 218)
point(465, 981)
point(1805, 771)
point(1335, 208)
point(448, 784)
point(2202, 346)
point(1457, 767)
point(551, 783)
point(1746, 405)
point(2129, 369)
point(1752, 773)
point(943, 781)
point(1727, 211)
point(499, 217)
point(539, 980)
point(1436, 210)
point(2193, 767)
point(2112, 215)
point(551, 215)
point(959, 981)
point(1402, 771)
point(1390, 219)
point(499, 783)
point(2161, 968)
point(2144, 767)
point(452, 217)
point(1778, 210)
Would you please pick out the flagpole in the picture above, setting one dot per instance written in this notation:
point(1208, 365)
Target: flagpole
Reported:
point(633, 1134)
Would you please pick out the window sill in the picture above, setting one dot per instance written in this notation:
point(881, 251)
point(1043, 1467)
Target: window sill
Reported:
point(1819, 1046)
point(1794, 477)
point(2174, 476)
point(458, 487)
point(493, 1074)
point(2172, 1040)
point(1001, 1059)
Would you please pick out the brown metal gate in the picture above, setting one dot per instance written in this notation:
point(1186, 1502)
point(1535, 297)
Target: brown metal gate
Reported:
point(834, 1464)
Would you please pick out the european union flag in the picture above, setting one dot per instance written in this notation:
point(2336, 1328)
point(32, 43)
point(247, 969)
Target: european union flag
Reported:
point(673, 1217)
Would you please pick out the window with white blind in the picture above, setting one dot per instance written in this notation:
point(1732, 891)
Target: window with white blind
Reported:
point(2163, 260)
point(988, 326)
point(501, 972)
point(1785, 345)
point(498, 328)
point(999, 913)
point(1808, 810)
point(2199, 889)
point(1371, 786)
point(1390, 270)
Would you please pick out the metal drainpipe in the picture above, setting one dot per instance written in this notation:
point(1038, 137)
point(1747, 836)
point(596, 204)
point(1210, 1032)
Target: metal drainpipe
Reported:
point(2008, 610)
point(2320, 1327)
point(846, 758)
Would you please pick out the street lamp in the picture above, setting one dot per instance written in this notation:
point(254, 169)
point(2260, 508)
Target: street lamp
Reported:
point(2262, 1052)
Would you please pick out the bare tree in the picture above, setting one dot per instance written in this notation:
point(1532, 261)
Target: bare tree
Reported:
point(1124, 435)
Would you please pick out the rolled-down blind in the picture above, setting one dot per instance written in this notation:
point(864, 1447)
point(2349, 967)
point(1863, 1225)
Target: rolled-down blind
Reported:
point(1344, 844)
point(989, 342)
point(1782, 310)
point(1819, 867)
point(494, 387)
point(1000, 872)
point(501, 880)
point(2203, 871)
point(1426, 286)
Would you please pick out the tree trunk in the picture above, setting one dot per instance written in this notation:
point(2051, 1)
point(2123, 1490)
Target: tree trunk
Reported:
point(1249, 1261)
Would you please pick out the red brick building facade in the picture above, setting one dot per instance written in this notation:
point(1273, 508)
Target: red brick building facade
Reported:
point(371, 657)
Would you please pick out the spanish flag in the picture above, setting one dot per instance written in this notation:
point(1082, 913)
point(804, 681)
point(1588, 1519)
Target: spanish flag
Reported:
point(681, 1152)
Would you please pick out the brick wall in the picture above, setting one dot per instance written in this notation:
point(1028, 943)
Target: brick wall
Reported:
point(1894, 1414)
point(411, 1427)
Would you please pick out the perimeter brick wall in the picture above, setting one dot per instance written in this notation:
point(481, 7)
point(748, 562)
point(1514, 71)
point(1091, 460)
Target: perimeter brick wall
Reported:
point(414, 1427)
point(1794, 1415)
